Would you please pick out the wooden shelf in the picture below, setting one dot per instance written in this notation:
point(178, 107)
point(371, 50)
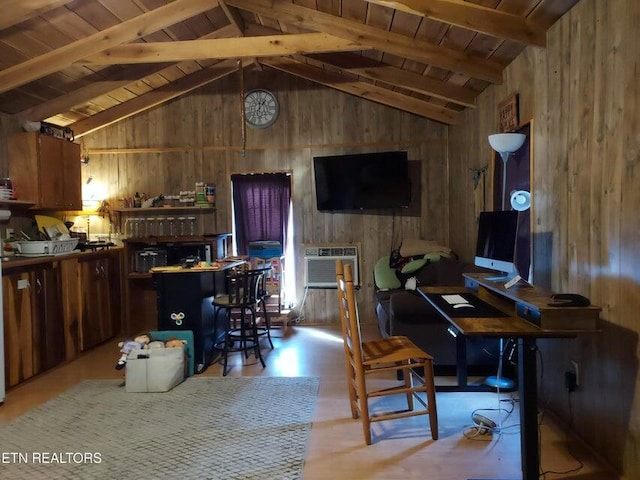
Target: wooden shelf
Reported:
point(138, 275)
point(17, 203)
point(165, 209)
point(151, 241)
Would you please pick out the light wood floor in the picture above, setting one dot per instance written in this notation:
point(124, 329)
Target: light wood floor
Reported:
point(401, 450)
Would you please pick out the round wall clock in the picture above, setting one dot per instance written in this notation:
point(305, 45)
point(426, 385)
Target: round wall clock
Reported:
point(261, 108)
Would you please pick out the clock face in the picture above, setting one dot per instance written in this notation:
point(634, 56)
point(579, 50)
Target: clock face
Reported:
point(261, 108)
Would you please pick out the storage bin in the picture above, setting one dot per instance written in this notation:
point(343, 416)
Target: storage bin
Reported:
point(155, 370)
point(265, 249)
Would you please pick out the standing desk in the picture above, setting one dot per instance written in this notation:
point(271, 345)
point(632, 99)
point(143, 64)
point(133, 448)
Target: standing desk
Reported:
point(526, 316)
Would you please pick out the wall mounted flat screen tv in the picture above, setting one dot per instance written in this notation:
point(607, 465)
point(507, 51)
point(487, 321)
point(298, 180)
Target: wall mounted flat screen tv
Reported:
point(362, 181)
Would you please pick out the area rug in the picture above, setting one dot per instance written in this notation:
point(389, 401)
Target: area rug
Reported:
point(205, 428)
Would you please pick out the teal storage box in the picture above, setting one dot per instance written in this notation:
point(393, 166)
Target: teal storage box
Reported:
point(164, 335)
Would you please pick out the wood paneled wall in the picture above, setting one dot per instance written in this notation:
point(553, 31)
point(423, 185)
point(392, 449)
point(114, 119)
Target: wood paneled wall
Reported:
point(198, 137)
point(583, 95)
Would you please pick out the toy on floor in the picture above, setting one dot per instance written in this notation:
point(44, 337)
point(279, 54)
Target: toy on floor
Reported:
point(139, 342)
point(174, 342)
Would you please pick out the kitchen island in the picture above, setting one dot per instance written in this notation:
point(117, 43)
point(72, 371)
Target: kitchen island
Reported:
point(185, 302)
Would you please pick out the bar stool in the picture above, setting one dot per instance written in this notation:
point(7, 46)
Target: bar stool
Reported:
point(241, 303)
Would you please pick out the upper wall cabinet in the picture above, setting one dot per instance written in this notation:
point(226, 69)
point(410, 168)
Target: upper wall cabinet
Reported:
point(45, 170)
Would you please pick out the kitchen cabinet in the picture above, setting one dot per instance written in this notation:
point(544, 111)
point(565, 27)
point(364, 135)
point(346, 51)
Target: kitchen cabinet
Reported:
point(56, 307)
point(100, 293)
point(46, 170)
point(33, 327)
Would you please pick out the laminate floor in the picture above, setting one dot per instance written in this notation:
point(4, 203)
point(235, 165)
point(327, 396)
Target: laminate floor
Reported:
point(401, 449)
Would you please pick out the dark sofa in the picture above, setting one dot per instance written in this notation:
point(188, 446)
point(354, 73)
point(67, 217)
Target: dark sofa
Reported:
point(405, 312)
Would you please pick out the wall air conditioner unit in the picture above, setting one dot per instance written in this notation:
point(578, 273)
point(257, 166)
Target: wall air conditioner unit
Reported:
point(320, 265)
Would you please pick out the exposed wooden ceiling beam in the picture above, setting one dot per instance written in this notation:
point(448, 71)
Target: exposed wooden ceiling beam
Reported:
point(98, 88)
point(421, 51)
point(243, 47)
point(236, 20)
point(364, 90)
point(15, 12)
point(474, 17)
point(126, 31)
point(155, 97)
point(368, 68)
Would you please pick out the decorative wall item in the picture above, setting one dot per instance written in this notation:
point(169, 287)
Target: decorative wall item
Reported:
point(508, 115)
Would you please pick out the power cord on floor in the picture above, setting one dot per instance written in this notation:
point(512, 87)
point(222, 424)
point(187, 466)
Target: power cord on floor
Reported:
point(484, 427)
point(580, 465)
point(297, 314)
point(568, 442)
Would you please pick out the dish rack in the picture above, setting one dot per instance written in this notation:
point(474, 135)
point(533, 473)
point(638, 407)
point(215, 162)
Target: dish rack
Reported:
point(47, 247)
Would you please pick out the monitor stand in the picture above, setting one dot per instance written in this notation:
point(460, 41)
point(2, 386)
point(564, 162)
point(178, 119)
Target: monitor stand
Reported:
point(504, 278)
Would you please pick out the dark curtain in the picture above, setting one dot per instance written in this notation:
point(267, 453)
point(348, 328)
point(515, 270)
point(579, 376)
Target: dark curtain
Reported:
point(261, 208)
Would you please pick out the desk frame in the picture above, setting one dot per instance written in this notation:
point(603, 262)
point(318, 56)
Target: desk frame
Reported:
point(526, 334)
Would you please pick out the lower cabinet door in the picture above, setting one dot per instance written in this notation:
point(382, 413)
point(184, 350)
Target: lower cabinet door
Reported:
point(33, 327)
point(97, 306)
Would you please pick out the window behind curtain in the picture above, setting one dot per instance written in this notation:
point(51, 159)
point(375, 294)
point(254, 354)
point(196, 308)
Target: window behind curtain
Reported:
point(261, 205)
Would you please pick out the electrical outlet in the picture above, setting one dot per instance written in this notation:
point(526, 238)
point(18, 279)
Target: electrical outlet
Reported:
point(570, 381)
point(576, 372)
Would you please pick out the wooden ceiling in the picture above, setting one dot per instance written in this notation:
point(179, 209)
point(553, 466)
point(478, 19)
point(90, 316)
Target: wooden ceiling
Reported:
point(89, 63)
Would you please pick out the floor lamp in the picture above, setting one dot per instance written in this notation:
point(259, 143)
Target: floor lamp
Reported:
point(505, 144)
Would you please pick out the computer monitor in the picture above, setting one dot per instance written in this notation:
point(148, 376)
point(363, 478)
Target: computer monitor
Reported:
point(496, 245)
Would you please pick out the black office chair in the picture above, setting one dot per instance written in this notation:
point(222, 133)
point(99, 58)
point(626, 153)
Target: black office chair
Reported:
point(243, 300)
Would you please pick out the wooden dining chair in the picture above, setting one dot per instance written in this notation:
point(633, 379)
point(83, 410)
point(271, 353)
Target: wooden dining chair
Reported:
point(389, 355)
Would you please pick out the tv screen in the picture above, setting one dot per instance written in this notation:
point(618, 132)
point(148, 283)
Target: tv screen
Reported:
point(496, 245)
point(362, 181)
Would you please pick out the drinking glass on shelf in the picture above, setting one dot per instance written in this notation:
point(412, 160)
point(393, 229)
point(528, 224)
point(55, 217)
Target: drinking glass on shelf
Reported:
point(160, 227)
point(182, 226)
point(136, 227)
point(191, 226)
point(128, 227)
point(171, 226)
point(150, 227)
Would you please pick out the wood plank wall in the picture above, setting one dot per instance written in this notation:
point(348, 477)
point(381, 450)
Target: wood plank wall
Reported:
point(583, 95)
point(198, 137)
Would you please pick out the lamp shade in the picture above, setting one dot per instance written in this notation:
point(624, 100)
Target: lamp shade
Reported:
point(506, 142)
point(520, 200)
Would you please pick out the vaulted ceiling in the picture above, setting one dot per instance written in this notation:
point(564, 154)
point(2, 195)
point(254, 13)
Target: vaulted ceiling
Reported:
point(86, 64)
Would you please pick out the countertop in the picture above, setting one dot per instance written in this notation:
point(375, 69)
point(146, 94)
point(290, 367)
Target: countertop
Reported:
point(202, 267)
point(17, 261)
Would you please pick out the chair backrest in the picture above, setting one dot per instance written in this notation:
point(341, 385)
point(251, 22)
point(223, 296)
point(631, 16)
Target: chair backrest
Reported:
point(244, 287)
point(349, 314)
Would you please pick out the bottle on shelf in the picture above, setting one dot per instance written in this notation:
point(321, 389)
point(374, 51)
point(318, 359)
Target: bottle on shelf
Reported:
point(137, 200)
